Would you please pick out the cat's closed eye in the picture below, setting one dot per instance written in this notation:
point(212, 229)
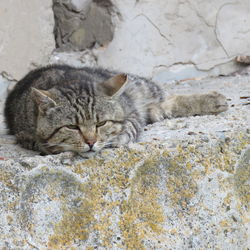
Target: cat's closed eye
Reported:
point(100, 124)
point(72, 126)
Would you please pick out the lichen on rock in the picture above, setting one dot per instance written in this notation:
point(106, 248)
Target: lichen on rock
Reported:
point(184, 184)
point(242, 178)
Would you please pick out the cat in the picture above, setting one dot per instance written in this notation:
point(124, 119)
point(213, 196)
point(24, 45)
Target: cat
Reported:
point(60, 108)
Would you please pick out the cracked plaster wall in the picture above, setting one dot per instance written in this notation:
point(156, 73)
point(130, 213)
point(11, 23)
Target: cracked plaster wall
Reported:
point(164, 40)
point(178, 39)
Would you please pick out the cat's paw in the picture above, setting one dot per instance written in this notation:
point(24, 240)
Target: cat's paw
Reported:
point(214, 103)
point(156, 113)
point(120, 140)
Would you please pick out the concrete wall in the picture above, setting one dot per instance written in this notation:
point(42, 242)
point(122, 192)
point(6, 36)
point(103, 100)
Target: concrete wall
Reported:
point(178, 39)
point(161, 39)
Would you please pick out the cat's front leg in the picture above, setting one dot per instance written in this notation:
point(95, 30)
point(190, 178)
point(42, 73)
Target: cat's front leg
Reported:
point(26, 140)
point(129, 134)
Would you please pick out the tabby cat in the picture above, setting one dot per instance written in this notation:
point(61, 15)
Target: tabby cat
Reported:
point(61, 108)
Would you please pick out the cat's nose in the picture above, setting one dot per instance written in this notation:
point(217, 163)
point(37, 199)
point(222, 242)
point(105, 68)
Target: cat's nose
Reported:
point(91, 142)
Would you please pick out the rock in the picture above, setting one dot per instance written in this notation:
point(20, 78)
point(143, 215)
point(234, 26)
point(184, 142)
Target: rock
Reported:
point(26, 36)
point(171, 190)
point(134, 198)
point(243, 59)
point(242, 178)
point(91, 25)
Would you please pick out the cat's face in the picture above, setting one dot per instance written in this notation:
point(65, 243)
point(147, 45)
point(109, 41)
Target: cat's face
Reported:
point(77, 123)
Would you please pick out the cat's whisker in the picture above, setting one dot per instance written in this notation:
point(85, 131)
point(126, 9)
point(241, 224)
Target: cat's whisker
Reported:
point(107, 145)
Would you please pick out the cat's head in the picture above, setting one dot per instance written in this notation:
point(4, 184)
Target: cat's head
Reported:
point(82, 117)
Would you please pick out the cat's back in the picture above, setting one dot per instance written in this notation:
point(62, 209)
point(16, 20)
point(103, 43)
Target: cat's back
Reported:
point(55, 75)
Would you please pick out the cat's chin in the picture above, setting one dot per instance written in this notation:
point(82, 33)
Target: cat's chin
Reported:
point(87, 154)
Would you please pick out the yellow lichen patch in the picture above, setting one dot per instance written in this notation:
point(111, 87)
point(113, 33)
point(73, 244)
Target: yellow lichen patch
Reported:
point(189, 165)
point(224, 160)
point(90, 248)
point(73, 226)
point(173, 231)
point(225, 223)
point(123, 189)
point(180, 183)
point(242, 177)
point(228, 199)
point(110, 177)
point(142, 215)
point(6, 177)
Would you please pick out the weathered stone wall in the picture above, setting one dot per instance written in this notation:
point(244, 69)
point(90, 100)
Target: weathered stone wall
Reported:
point(146, 198)
point(161, 39)
point(178, 39)
point(184, 185)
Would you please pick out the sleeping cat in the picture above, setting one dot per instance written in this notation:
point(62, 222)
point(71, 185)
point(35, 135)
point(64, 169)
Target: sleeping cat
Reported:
point(61, 108)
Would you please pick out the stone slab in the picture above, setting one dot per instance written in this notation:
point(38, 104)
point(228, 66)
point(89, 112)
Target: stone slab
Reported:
point(185, 184)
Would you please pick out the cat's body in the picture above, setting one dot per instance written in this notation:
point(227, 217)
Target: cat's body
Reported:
point(61, 108)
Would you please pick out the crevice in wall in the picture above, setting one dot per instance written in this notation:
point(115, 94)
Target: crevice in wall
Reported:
point(156, 27)
point(216, 32)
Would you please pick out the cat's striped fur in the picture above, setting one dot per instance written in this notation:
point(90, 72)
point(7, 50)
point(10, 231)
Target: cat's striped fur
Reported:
point(61, 108)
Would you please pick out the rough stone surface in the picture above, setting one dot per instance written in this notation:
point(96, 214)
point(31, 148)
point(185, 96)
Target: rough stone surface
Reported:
point(26, 35)
point(182, 39)
point(184, 185)
point(82, 24)
point(163, 40)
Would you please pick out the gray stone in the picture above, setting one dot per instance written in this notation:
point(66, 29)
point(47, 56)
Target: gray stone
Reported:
point(184, 184)
point(90, 26)
point(136, 198)
point(242, 178)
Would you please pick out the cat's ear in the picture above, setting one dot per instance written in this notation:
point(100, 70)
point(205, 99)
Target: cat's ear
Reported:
point(114, 86)
point(43, 99)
